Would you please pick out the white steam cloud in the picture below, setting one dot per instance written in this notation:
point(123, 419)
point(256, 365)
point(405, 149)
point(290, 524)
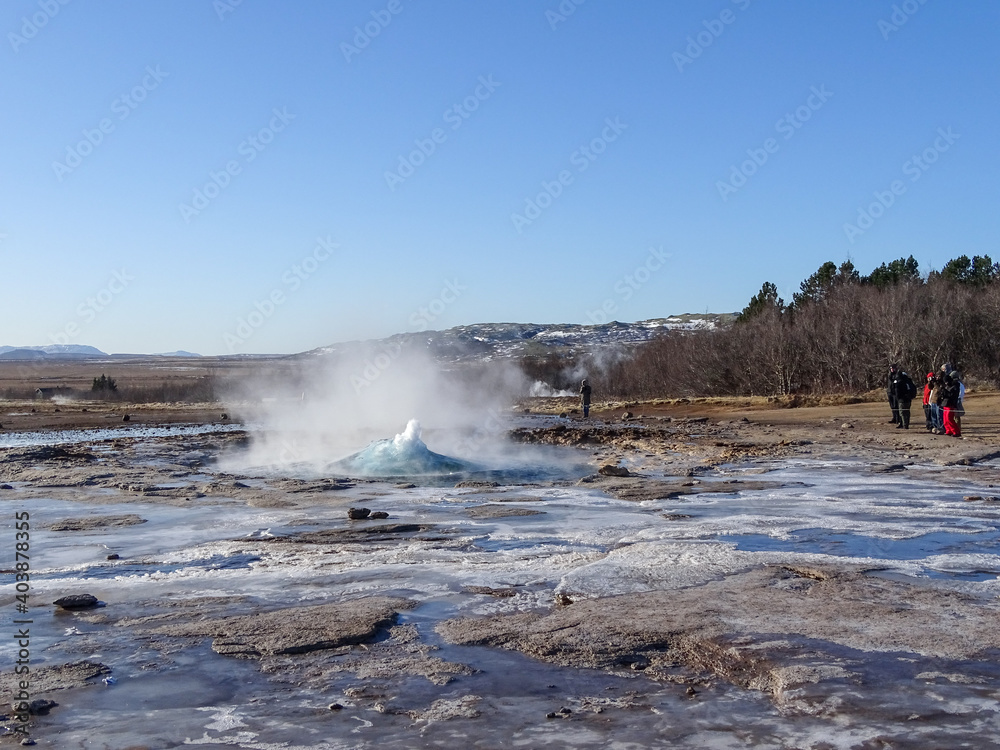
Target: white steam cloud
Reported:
point(305, 414)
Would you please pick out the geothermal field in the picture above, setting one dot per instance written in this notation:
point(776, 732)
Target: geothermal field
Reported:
point(451, 571)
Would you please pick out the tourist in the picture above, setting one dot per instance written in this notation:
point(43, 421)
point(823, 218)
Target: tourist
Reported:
point(960, 409)
point(937, 404)
point(890, 391)
point(929, 421)
point(585, 398)
point(902, 390)
point(951, 391)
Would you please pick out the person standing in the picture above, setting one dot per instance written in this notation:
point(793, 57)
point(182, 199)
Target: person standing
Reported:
point(937, 404)
point(890, 391)
point(951, 391)
point(929, 422)
point(585, 398)
point(960, 409)
point(903, 390)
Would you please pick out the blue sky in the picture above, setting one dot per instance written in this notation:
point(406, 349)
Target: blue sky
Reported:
point(463, 162)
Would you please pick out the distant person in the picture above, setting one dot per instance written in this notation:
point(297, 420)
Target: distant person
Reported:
point(902, 391)
point(937, 404)
point(929, 420)
point(960, 410)
point(951, 393)
point(890, 390)
point(585, 398)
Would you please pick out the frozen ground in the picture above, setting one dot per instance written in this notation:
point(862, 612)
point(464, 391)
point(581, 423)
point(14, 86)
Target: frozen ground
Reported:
point(783, 603)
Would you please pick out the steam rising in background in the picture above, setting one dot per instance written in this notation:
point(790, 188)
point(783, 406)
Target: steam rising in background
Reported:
point(308, 413)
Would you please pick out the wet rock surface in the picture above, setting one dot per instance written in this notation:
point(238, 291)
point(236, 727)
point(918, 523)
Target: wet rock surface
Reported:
point(95, 522)
point(293, 630)
point(776, 630)
point(46, 679)
point(501, 511)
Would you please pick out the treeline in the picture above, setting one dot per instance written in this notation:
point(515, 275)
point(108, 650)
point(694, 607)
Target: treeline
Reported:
point(839, 334)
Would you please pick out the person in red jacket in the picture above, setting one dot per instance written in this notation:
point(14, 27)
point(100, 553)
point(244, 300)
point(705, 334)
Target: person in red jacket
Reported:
point(928, 405)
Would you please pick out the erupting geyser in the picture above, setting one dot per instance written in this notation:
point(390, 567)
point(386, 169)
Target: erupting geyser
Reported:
point(404, 455)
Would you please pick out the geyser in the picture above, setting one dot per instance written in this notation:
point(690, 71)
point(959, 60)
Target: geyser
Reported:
point(404, 455)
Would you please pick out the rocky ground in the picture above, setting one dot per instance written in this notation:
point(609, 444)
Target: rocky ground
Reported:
point(793, 633)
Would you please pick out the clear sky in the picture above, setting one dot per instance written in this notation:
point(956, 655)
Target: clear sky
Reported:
point(272, 176)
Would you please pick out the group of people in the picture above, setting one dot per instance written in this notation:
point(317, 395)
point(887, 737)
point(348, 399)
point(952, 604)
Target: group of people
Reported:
point(944, 392)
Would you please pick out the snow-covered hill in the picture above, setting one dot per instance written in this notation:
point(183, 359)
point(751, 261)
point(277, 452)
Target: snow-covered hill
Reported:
point(486, 341)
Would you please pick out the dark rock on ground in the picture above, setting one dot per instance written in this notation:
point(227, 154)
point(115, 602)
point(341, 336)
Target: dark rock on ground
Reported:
point(475, 483)
point(357, 514)
point(488, 591)
point(41, 706)
point(379, 514)
point(77, 601)
point(608, 470)
point(359, 534)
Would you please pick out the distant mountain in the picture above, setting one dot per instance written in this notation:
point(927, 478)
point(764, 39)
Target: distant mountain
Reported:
point(9, 352)
point(74, 351)
point(178, 353)
point(485, 341)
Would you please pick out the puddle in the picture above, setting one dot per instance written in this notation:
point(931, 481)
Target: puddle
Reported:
point(821, 541)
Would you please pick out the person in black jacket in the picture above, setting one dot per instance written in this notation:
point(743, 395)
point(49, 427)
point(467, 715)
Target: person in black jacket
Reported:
point(951, 396)
point(585, 398)
point(890, 391)
point(903, 390)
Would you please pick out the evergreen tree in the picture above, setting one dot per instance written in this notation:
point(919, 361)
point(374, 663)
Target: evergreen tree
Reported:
point(979, 271)
point(104, 384)
point(902, 270)
point(766, 299)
